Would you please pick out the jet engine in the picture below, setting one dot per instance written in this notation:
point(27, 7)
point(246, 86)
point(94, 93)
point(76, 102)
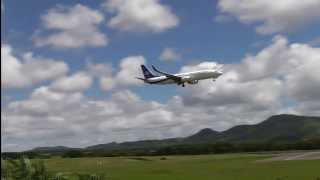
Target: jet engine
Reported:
point(186, 79)
point(193, 82)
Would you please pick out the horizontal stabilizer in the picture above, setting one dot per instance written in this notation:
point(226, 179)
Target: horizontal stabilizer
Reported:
point(141, 78)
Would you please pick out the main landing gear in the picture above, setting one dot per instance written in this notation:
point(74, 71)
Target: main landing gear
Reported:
point(182, 84)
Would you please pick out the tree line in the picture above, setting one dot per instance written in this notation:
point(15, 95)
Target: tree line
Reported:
point(180, 149)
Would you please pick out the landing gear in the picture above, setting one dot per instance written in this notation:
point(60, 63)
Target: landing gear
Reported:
point(182, 84)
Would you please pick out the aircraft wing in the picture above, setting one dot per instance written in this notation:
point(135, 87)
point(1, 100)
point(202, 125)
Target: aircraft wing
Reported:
point(171, 76)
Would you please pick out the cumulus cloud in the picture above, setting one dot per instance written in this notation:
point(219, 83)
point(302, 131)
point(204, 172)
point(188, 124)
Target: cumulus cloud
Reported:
point(2, 6)
point(140, 15)
point(273, 16)
point(77, 82)
point(169, 54)
point(18, 73)
point(242, 95)
point(279, 72)
point(297, 65)
point(55, 118)
point(50, 117)
point(129, 69)
point(98, 70)
point(71, 27)
point(202, 66)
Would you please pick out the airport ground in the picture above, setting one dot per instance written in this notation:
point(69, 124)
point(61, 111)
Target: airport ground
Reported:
point(297, 165)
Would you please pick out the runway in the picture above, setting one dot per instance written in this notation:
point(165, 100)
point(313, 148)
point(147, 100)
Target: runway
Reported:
point(297, 155)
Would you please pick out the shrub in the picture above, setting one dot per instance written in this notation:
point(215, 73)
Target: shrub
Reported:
point(24, 169)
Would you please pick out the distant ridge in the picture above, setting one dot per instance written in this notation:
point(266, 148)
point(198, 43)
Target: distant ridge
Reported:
point(282, 128)
point(203, 135)
point(54, 149)
point(279, 128)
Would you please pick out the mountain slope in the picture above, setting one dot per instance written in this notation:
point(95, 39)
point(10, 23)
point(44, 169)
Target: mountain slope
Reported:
point(280, 128)
point(55, 149)
point(276, 129)
point(203, 136)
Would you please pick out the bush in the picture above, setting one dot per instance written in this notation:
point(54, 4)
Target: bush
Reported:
point(91, 177)
point(24, 169)
point(73, 154)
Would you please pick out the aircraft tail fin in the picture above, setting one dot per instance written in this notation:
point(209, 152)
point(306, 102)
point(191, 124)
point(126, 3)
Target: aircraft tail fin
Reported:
point(147, 74)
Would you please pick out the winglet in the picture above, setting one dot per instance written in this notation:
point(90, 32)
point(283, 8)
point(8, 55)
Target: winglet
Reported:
point(172, 76)
point(156, 70)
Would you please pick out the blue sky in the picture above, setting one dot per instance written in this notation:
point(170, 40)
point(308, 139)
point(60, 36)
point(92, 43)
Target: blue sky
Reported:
point(197, 38)
point(194, 35)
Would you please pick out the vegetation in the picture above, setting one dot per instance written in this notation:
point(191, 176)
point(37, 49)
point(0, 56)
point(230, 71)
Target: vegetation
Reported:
point(204, 167)
point(25, 169)
point(148, 159)
point(281, 132)
point(179, 149)
point(191, 167)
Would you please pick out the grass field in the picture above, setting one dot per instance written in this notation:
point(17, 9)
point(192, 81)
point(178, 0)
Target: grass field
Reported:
point(202, 167)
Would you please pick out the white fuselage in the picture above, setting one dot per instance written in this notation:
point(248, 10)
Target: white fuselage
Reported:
point(190, 77)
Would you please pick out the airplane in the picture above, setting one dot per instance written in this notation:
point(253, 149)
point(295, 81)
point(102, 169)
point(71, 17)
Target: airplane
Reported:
point(179, 79)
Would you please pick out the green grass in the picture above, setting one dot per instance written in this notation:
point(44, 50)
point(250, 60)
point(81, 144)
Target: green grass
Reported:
point(203, 167)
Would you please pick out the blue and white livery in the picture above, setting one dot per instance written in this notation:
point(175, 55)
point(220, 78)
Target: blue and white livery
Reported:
point(179, 79)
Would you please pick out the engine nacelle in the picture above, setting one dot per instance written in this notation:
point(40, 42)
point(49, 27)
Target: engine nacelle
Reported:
point(193, 82)
point(186, 79)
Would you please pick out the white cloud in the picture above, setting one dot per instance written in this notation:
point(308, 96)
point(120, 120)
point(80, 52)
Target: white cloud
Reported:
point(242, 95)
point(71, 27)
point(16, 73)
point(140, 15)
point(126, 76)
point(123, 77)
point(129, 69)
point(98, 70)
point(273, 16)
point(77, 82)
point(202, 66)
point(2, 7)
point(11, 75)
point(50, 117)
point(107, 83)
point(278, 73)
point(55, 118)
point(169, 54)
point(297, 65)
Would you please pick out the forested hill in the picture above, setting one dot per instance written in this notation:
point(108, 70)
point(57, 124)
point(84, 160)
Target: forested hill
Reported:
point(276, 129)
point(279, 128)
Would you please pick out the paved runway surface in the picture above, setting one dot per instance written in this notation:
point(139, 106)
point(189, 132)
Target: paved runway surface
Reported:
point(288, 156)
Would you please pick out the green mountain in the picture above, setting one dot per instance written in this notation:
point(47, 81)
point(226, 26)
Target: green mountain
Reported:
point(279, 128)
point(136, 144)
point(276, 129)
point(203, 136)
point(53, 149)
